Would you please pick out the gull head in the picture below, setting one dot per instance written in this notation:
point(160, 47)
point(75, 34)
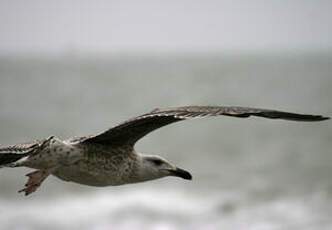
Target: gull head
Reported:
point(153, 167)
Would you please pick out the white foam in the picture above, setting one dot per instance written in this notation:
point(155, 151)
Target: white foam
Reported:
point(166, 209)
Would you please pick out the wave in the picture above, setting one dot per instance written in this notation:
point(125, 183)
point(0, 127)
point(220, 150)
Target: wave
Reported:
point(165, 209)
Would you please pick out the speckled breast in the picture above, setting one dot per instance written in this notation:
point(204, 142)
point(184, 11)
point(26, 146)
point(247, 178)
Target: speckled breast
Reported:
point(100, 166)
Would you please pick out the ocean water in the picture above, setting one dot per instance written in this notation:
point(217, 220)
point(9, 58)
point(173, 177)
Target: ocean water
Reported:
point(248, 173)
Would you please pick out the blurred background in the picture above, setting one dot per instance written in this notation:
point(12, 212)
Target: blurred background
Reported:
point(71, 68)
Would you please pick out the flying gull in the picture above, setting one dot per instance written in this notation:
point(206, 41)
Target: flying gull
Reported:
point(109, 158)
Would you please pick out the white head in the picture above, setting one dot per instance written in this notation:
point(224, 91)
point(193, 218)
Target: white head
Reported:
point(154, 167)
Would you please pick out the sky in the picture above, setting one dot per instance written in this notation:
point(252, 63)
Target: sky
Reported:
point(48, 26)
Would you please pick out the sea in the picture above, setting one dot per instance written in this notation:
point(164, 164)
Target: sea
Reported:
point(253, 173)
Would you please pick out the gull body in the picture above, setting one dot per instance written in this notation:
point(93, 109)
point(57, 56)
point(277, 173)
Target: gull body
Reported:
point(109, 158)
point(97, 165)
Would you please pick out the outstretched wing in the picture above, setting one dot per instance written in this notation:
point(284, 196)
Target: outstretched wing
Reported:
point(129, 132)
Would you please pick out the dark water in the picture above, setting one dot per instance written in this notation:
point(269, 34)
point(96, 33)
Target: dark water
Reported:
point(248, 173)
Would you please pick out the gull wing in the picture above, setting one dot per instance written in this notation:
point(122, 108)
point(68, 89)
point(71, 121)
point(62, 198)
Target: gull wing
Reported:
point(129, 132)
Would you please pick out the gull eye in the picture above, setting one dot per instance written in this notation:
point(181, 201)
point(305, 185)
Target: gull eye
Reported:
point(157, 162)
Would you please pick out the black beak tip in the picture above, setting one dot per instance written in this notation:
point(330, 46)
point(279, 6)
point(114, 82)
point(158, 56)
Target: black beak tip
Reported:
point(188, 177)
point(182, 173)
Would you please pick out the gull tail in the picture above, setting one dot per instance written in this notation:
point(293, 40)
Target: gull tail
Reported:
point(9, 159)
point(9, 156)
point(12, 156)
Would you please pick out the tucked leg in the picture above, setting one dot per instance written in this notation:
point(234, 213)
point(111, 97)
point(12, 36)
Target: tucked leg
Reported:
point(35, 180)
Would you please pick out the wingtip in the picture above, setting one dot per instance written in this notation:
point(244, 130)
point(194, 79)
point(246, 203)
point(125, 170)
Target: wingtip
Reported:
point(309, 118)
point(325, 118)
point(320, 118)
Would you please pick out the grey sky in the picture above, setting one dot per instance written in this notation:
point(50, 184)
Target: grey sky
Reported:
point(164, 25)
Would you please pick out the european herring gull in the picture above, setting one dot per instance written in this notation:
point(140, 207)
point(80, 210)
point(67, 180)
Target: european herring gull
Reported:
point(109, 158)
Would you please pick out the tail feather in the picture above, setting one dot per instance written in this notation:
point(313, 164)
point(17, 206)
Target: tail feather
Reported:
point(9, 158)
point(11, 154)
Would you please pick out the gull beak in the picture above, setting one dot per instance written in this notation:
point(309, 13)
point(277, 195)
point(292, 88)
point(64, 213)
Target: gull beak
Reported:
point(180, 173)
